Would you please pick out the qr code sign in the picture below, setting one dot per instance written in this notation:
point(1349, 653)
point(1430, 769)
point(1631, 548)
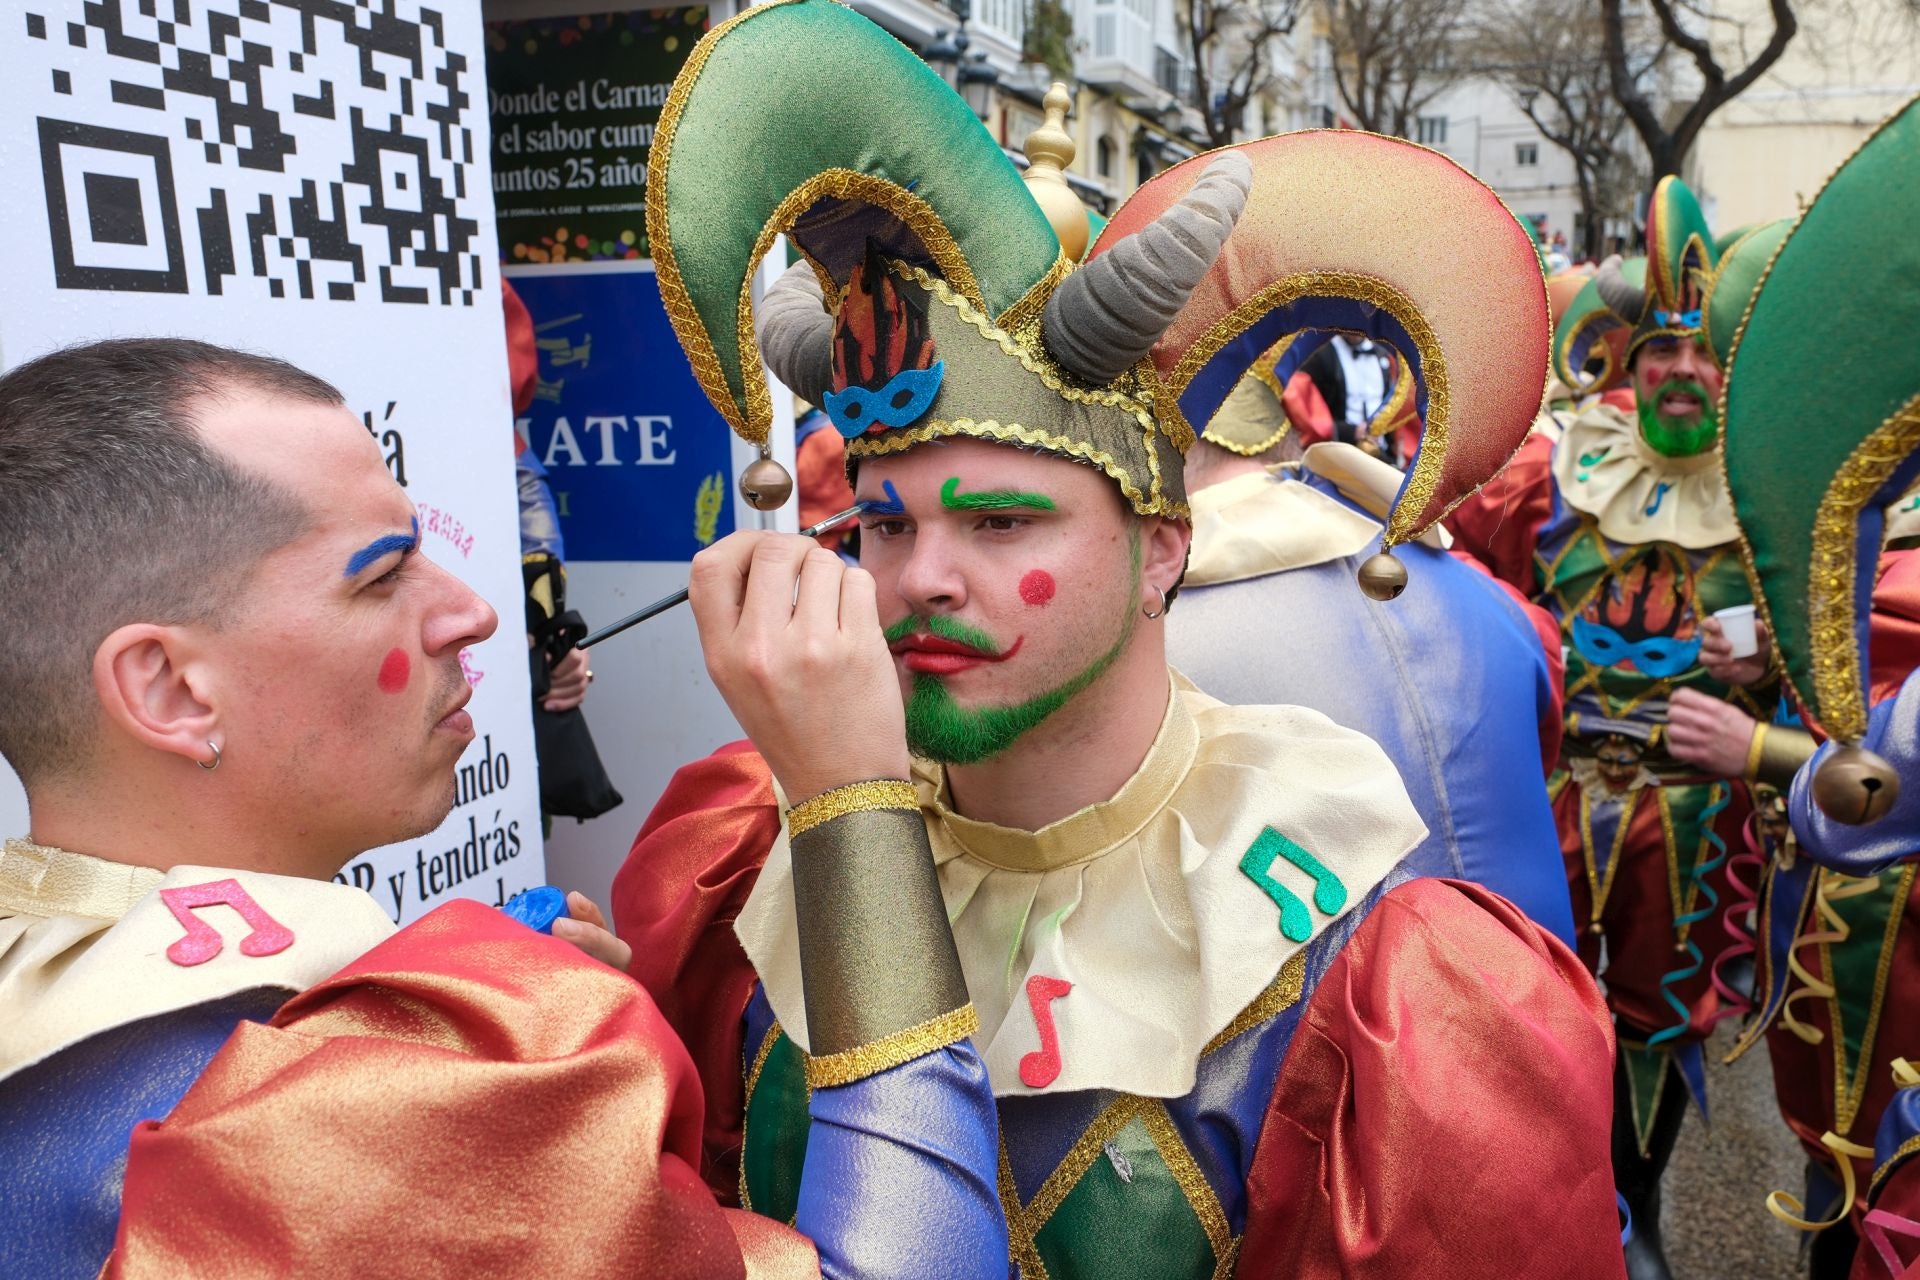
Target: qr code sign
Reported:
point(317, 149)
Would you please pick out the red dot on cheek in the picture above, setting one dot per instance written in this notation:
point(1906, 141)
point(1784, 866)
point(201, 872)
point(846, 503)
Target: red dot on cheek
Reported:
point(1037, 587)
point(395, 670)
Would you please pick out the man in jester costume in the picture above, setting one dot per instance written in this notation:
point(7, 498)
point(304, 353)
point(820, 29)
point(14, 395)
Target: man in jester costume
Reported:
point(1275, 551)
point(1823, 512)
point(1623, 530)
point(1224, 1028)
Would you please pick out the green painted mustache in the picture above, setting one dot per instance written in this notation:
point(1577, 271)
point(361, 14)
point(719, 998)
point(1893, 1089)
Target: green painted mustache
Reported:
point(946, 628)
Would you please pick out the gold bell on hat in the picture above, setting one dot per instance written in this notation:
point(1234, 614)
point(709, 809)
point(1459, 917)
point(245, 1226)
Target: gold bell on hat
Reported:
point(1382, 577)
point(765, 484)
point(1855, 786)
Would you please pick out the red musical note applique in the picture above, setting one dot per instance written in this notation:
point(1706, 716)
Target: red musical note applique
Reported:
point(1042, 1067)
point(203, 941)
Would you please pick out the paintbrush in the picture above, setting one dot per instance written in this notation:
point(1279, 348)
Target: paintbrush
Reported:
point(660, 606)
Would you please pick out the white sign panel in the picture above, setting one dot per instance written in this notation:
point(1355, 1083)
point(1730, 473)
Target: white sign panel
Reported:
point(311, 181)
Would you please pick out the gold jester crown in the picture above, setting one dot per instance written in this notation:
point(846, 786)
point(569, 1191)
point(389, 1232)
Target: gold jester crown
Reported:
point(935, 298)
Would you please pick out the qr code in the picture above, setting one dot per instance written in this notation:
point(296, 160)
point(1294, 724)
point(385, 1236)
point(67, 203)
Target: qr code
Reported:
point(283, 148)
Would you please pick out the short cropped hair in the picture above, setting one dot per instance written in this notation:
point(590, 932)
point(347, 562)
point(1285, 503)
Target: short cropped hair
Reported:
point(114, 510)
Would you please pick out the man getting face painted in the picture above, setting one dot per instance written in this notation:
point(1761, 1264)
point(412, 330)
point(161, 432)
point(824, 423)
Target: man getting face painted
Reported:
point(1624, 531)
point(1219, 1017)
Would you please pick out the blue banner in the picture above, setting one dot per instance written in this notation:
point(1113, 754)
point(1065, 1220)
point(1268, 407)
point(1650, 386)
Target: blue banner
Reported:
point(639, 462)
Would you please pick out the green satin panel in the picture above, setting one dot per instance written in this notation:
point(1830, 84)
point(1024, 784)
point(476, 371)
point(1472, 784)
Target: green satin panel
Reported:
point(1798, 405)
point(1734, 281)
point(800, 88)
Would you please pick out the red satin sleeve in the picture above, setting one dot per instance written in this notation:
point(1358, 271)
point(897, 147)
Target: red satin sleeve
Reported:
point(468, 1098)
point(1499, 525)
point(1444, 1108)
point(1894, 629)
point(674, 902)
point(1307, 410)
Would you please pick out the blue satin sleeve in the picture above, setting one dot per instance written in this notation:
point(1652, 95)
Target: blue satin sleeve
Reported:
point(1899, 1138)
point(1893, 732)
point(65, 1122)
point(902, 1173)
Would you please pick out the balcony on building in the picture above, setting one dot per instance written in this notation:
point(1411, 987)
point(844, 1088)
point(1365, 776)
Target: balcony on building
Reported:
point(1120, 54)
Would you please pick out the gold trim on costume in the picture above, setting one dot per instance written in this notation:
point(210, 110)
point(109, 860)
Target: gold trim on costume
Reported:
point(1193, 1185)
point(1338, 284)
point(834, 1069)
point(901, 441)
point(1271, 1003)
point(1910, 1147)
point(857, 797)
point(746, 1104)
point(685, 317)
point(1750, 770)
point(1837, 679)
point(1848, 1093)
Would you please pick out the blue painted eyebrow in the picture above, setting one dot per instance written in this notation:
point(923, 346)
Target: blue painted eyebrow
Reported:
point(384, 545)
point(891, 507)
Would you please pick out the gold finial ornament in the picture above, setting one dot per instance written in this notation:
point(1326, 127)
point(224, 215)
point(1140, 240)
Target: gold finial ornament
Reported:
point(1050, 150)
point(765, 484)
point(1855, 786)
point(1382, 577)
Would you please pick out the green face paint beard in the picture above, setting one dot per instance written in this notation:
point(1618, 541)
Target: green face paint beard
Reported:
point(938, 728)
point(1675, 439)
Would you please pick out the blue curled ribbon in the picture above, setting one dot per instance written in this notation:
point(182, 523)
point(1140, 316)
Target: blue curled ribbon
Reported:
point(1722, 797)
point(1626, 1218)
point(1678, 319)
point(906, 396)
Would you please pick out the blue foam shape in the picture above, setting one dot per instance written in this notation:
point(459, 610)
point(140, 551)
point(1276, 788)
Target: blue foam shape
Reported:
point(537, 908)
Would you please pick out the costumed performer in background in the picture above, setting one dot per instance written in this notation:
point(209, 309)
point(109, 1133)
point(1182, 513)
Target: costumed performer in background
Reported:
point(1622, 529)
point(1224, 1029)
point(1815, 503)
point(1454, 680)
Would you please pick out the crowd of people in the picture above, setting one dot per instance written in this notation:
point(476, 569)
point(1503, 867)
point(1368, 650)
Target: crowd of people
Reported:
point(1263, 790)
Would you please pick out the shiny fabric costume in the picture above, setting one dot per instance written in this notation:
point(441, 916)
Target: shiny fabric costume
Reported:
point(1215, 1011)
point(1813, 506)
point(101, 1030)
point(1630, 549)
point(1270, 573)
point(1422, 989)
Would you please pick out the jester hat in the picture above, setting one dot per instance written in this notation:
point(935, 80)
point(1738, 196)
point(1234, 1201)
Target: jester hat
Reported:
point(1819, 439)
point(1662, 294)
point(1362, 234)
point(935, 301)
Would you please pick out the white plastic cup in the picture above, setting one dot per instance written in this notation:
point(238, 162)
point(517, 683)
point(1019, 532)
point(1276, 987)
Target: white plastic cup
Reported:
point(1738, 625)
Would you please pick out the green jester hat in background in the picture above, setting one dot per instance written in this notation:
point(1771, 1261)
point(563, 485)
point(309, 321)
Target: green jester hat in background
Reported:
point(1820, 434)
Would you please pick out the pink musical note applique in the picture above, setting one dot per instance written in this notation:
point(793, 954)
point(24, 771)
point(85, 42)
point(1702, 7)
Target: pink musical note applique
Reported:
point(203, 941)
point(1042, 1067)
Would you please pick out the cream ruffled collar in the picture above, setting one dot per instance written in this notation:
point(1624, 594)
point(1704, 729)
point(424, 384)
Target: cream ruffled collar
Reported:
point(1140, 903)
point(1636, 494)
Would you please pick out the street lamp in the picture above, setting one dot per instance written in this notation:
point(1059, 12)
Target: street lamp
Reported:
point(943, 55)
point(977, 83)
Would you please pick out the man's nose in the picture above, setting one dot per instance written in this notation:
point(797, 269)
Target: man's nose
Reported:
point(460, 617)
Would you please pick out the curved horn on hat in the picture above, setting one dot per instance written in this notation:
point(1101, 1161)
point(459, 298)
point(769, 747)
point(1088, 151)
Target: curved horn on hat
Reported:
point(1105, 317)
point(795, 332)
point(1622, 297)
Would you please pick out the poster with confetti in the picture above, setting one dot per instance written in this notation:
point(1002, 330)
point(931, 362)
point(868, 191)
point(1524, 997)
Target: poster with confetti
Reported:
point(310, 179)
point(574, 103)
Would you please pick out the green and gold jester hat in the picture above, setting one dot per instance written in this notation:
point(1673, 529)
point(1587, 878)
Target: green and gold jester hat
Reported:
point(1663, 293)
point(1819, 439)
point(935, 299)
point(1372, 236)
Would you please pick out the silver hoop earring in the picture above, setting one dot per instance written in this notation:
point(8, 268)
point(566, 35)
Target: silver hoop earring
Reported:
point(215, 748)
point(1151, 614)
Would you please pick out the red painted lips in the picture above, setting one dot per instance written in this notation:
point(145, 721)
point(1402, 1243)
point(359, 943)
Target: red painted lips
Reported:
point(936, 656)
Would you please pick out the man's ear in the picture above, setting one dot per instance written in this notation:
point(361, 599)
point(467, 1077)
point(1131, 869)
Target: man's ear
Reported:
point(1163, 554)
point(152, 690)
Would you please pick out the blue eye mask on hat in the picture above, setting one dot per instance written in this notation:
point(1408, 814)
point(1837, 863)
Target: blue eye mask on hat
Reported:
point(907, 395)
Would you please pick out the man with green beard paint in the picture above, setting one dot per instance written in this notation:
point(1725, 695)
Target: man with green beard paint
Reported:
point(1623, 529)
point(1220, 1013)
